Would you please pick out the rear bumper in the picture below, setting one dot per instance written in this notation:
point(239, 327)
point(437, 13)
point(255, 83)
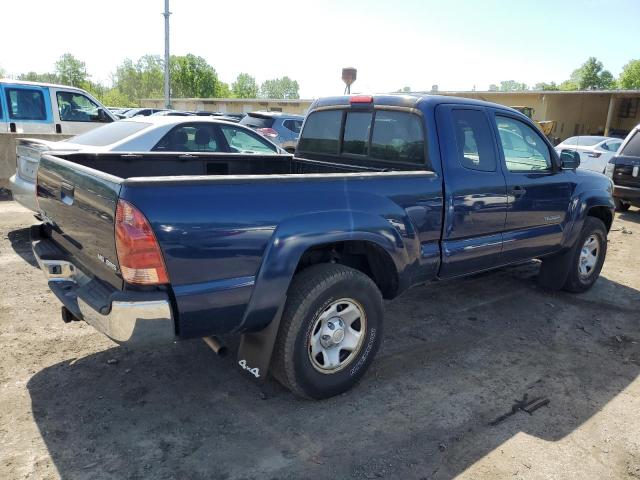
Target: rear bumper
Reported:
point(626, 193)
point(24, 192)
point(132, 318)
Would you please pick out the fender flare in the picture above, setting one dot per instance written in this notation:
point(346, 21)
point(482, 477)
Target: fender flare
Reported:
point(581, 204)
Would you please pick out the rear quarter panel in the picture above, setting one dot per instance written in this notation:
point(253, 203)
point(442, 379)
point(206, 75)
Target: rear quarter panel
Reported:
point(231, 243)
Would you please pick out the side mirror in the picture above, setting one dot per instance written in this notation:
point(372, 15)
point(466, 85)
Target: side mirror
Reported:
point(103, 117)
point(569, 159)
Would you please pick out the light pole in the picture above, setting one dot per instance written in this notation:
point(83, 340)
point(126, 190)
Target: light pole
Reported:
point(167, 83)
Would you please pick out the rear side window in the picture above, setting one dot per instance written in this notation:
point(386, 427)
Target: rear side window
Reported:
point(632, 148)
point(397, 137)
point(321, 132)
point(25, 104)
point(108, 134)
point(293, 125)
point(190, 138)
point(474, 140)
point(356, 133)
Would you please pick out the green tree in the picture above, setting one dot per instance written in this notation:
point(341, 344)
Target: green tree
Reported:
point(142, 79)
point(280, 88)
point(223, 90)
point(493, 87)
point(630, 76)
point(404, 90)
point(2, 72)
point(192, 77)
point(591, 75)
point(71, 71)
point(546, 86)
point(512, 86)
point(245, 86)
point(115, 98)
point(39, 77)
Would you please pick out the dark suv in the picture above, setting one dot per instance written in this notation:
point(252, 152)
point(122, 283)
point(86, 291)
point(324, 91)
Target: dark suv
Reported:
point(283, 129)
point(624, 170)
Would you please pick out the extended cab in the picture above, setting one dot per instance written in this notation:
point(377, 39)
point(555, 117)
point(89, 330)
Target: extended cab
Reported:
point(296, 253)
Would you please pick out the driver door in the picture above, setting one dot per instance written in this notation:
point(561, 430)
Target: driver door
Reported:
point(538, 191)
point(75, 112)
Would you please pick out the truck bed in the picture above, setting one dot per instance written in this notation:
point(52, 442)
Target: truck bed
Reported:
point(223, 221)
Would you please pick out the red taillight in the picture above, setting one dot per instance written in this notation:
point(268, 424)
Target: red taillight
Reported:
point(138, 251)
point(594, 154)
point(361, 99)
point(267, 132)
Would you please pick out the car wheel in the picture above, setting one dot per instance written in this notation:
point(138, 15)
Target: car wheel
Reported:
point(621, 206)
point(330, 331)
point(587, 257)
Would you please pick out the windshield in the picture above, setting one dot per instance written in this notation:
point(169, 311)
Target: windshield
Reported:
point(110, 133)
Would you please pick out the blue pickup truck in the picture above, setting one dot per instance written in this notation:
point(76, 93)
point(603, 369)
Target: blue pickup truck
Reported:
point(296, 253)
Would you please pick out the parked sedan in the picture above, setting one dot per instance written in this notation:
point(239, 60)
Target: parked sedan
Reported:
point(281, 128)
point(595, 151)
point(141, 134)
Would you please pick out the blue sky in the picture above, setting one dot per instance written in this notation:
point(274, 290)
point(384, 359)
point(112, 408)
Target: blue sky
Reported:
point(455, 44)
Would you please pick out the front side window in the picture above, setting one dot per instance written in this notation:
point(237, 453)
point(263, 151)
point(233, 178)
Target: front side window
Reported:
point(241, 141)
point(76, 107)
point(474, 140)
point(25, 104)
point(321, 132)
point(524, 149)
point(356, 133)
point(190, 138)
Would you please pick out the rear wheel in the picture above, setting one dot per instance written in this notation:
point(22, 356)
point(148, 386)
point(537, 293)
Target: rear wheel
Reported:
point(587, 256)
point(621, 206)
point(330, 331)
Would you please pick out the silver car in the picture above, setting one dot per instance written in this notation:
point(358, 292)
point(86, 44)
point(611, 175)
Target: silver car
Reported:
point(140, 134)
point(282, 129)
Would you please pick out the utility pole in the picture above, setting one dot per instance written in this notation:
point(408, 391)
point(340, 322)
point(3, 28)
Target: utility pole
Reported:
point(167, 83)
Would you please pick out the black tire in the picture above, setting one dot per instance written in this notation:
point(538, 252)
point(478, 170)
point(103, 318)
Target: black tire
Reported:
point(577, 282)
point(621, 206)
point(312, 292)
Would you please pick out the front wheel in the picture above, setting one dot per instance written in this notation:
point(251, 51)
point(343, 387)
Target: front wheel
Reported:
point(587, 257)
point(330, 331)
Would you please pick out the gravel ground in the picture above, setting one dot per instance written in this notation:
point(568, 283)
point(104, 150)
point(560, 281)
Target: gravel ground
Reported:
point(457, 357)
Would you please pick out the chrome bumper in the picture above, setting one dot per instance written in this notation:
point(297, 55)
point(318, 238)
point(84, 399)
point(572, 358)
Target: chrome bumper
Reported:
point(140, 318)
point(24, 192)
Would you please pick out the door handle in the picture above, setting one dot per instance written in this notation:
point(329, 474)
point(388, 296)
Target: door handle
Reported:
point(66, 193)
point(518, 191)
point(58, 128)
point(12, 127)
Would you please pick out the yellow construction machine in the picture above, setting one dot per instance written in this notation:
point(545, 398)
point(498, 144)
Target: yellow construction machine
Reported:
point(545, 126)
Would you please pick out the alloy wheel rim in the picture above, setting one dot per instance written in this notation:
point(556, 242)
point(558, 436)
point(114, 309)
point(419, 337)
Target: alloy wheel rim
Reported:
point(337, 335)
point(589, 256)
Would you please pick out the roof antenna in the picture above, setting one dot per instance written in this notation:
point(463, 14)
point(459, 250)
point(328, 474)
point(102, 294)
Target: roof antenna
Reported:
point(349, 75)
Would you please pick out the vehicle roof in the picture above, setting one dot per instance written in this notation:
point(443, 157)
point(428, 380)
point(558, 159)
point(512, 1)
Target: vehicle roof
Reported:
point(275, 114)
point(174, 120)
point(600, 138)
point(410, 101)
point(38, 84)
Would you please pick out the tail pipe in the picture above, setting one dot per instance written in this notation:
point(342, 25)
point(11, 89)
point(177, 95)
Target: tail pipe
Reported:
point(216, 345)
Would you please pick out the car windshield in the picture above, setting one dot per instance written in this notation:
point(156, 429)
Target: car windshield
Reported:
point(587, 141)
point(110, 133)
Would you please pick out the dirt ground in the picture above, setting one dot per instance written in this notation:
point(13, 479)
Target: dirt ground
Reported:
point(456, 357)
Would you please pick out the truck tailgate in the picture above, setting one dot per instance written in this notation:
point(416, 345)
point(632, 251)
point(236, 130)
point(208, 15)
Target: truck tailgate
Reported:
point(79, 205)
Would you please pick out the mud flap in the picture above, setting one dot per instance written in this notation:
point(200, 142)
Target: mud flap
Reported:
point(555, 270)
point(256, 348)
